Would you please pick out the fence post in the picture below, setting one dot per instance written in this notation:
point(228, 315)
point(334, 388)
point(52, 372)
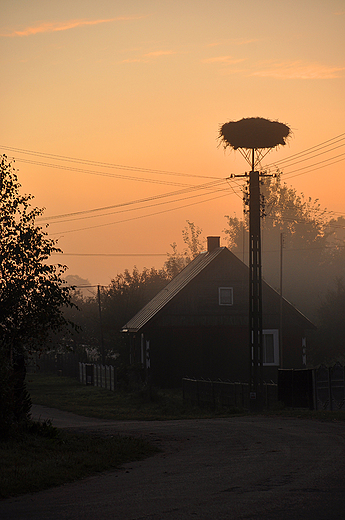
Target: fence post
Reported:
point(112, 378)
point(107, 371)
point(266, 395)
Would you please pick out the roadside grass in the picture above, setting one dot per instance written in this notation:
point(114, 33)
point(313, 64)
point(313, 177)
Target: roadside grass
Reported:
point(68, 394)
point(41, 456)
point(304, 413)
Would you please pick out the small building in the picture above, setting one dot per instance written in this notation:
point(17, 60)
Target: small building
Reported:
point(197, 326)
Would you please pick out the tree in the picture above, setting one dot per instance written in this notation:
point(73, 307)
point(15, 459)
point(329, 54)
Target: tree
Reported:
point(177, 261)
point(32, 292)
point(306, 234)
point(127, 293)
point(328, 342)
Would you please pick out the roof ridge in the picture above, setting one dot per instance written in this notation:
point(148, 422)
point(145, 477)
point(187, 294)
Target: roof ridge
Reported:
point(176, 285)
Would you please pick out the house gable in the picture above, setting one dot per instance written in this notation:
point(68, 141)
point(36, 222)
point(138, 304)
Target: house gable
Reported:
point(192, 297)
point(189, 333)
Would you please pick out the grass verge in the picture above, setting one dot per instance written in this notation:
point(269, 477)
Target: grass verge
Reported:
point(304, 413)
point(42, 456)
point(68, 394)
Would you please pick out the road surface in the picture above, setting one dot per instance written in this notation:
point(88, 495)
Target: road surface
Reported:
point(235, 468)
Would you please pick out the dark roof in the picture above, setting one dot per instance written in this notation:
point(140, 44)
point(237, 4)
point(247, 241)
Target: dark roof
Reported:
point(151, 309)
point(171, 290)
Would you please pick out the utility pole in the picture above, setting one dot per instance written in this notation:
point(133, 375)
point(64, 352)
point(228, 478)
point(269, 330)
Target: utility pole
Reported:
point(253, 199)
point(100, 324)
point(281, 301)
point(254, 138)
point(255, 289)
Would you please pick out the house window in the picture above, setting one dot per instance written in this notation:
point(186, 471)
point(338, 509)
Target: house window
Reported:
point(270, 342)
point(225, 295)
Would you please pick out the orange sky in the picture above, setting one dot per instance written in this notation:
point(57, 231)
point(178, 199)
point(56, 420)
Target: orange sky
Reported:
point(145, 85)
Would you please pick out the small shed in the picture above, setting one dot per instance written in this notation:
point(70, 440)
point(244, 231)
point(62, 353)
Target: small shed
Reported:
point(197, 326)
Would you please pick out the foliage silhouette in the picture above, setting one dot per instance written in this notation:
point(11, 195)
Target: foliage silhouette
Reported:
point(306, 236)
point(328, 344)
point(127, 293)
point(32, 293)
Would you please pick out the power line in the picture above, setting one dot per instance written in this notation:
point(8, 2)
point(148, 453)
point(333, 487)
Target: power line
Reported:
point(309, 150)
point(95, 163)
point(289, 176)
point(138, 217)
point(136, 255)
point(135, 209)
point(186, 188)
point(315, 155)
point(105, 174)
point(137, 201)
point(308, 154)
point(285, 161)
point(109, 254)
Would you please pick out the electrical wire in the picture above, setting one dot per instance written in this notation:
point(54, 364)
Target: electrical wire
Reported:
point(137, 201)
point(105, 174)
point(309, 154)
point(315, 155)
point(96, 163)
point(130, 255)
point(134, 209)
point(139, 217)
point(307, 151)
point(297, 174)
point(298, 158)
point(279, 163)
point(109, 254)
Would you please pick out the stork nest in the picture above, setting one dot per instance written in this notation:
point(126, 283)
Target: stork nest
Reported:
point(253, 132)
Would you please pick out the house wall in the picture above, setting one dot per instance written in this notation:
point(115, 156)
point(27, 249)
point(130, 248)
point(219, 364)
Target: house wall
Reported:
point(194, 336)
point(197, 352)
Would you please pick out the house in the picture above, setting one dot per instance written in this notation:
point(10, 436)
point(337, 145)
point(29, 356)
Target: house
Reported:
point(198, 326)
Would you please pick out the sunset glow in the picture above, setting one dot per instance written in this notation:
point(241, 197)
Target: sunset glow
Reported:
point(116, 108)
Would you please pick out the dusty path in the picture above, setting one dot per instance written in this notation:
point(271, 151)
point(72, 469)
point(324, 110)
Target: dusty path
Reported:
point(236, 468)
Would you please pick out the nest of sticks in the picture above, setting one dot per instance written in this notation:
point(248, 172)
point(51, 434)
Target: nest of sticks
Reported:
point(253, 132)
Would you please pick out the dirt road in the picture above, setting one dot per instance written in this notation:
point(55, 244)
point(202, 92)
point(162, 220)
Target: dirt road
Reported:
point(236, 468)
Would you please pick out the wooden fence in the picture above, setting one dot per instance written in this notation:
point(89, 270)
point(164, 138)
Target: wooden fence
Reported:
point(103, 376)
point(222, 393)
point(330, 388)
point(319, 388)
point(64, 364)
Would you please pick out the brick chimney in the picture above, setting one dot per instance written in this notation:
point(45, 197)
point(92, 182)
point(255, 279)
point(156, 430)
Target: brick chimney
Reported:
point(212, 243)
